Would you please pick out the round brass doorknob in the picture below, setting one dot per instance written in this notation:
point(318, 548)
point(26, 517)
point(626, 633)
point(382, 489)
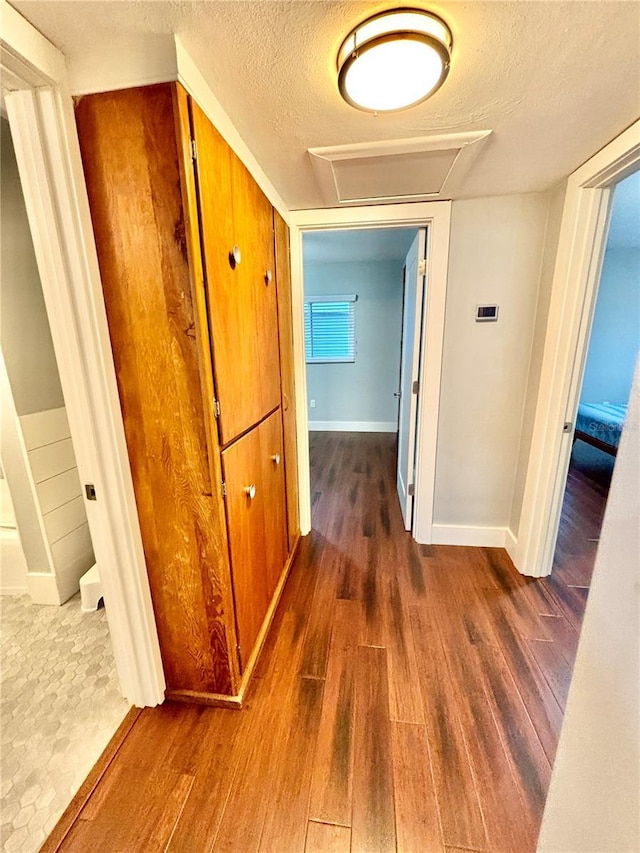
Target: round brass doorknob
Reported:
point(268, 277)
point(235, 257)
point(276, 458)
point(250, 491)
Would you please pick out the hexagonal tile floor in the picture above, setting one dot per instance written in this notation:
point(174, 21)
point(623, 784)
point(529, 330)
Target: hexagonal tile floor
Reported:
point(60, 704)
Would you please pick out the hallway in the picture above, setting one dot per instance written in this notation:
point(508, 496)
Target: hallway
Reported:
point(408, 698)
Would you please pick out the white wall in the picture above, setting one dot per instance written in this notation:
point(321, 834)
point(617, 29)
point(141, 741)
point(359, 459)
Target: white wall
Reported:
point(552, 234)
point(7, 514)
point(359, 395)
point(594, 797)
point(23, 495)
point(495, 257)
point(615, 334)
point(13, 565)
point(25, 336)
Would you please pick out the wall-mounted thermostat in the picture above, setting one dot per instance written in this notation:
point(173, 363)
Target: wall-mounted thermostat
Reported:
point(486, 313)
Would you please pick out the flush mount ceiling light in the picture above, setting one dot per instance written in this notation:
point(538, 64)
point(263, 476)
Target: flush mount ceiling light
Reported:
point(394, 60)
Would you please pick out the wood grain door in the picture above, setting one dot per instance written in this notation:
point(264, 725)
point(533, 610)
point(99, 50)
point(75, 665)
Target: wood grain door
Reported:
point(287, 376)
point(235, 214)
point(256, 524)
point(253, 222)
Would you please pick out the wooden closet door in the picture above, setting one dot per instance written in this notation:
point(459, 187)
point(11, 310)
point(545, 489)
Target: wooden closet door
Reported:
point(245, 503)
point(241, 304)
point(253, 221)
point(275, 521)
point(287, 376)
point(256, 524)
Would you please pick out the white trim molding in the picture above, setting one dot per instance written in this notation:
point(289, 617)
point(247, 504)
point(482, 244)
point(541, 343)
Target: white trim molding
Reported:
point(477, 537)
point(510, 543)
point(28, 59)
point(190, 77)
point(436, 216)
point(573, 296)
point(14, 590)
point(42, 588)
point(353, 426)
point(48, 155)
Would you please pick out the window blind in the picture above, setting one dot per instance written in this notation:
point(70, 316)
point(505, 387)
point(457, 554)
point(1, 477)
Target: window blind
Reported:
point(329, 329)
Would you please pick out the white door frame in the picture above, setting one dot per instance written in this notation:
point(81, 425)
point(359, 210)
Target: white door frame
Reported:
point(40, 112)
point(573, 297)
point(436, 216)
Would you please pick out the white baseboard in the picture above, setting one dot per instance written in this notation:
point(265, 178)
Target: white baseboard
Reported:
point(43, 588)
point(13, 590)
point(353, 426)
point(511, 544)
point(460, 534)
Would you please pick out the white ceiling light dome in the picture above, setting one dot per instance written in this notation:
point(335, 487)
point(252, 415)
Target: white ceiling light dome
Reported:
point(394, 60)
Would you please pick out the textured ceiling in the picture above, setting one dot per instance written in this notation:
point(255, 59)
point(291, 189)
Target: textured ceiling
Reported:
point(555, 81)
point(370, 244)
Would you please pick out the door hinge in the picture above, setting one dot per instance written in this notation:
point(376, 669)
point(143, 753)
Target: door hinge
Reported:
point(216, 408)
point(194, 150)
point(415, 387)
point(411, 490)
point(224, 489)
point(422, 267)
point(568, 427)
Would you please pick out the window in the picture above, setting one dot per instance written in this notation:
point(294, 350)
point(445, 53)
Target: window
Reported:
point(329, 328)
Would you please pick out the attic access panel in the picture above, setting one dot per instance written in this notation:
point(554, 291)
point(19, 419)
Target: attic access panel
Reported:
point(404, 175)
point(430, 168)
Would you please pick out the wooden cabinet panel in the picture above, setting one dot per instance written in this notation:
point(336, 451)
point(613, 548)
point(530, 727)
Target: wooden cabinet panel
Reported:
point(130, 159)
point(241, 303)
point(253, 221)
point(188, 325)
point(245, 515)
point(287, 375)
point(256, 522)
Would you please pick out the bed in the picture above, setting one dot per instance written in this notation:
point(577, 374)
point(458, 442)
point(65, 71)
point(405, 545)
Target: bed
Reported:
point(600, 424)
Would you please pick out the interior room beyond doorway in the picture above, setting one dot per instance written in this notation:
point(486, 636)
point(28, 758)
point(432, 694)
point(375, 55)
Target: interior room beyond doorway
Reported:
point(355, 300)
point(612, 352)
point(358, 395)
point(60, 697)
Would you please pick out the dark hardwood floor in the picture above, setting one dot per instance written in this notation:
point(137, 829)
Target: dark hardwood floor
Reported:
point(408, 697)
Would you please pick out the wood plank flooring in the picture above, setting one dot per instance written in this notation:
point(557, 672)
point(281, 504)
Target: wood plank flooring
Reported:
point(408, 697)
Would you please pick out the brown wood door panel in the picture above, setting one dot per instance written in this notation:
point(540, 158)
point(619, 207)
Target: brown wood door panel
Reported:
point(275, 520)
point(130, 159)
point(242, 307)
point(253, 219)
point(257, 525)
point(287, 374)
point(242, 468)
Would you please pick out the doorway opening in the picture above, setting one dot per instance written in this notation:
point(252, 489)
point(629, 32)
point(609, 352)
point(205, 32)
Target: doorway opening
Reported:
point(433, 218)
point(610, 358)
point(61, 700)
point(363, 311)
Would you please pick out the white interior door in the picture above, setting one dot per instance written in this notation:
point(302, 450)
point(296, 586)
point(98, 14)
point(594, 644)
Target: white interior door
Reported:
point(409, 373)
